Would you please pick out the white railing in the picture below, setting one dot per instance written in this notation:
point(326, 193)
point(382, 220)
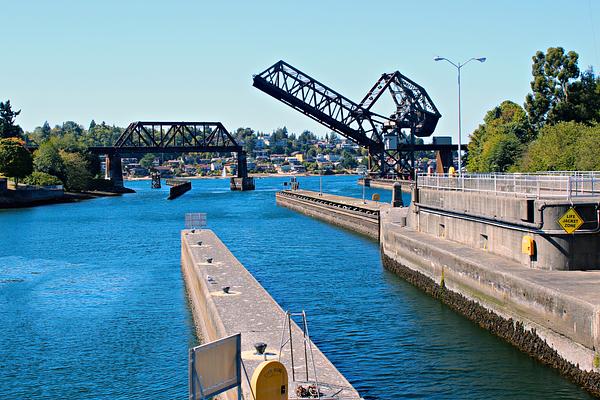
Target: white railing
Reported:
point(563, 184)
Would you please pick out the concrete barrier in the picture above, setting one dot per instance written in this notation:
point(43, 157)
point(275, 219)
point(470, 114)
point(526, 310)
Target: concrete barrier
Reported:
point(552, 315)
point(208, 266)
point(347, 212)
point(498, 224)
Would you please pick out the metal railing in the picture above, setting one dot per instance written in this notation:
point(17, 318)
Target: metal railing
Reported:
point(553, 184)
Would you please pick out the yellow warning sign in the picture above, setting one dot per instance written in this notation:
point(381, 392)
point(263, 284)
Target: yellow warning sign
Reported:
point(570, 221)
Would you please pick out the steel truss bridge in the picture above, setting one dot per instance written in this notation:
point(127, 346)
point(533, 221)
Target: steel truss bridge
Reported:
point(391, 148)
point(175, 137)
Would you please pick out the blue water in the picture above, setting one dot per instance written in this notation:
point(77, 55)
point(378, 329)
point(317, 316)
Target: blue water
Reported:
point(92, 303)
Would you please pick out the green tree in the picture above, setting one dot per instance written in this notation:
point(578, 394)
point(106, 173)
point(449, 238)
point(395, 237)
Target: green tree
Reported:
point(148, 160)
point(42, 179)
point(588, 149)
point(47, 159)
point(77, 175)
point(497, 144)
point(551, 84)
point(15, 160)
point(8, 128)
point(555, 149)
point(348, 161)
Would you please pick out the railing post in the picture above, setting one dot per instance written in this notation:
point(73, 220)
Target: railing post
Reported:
point(569, 187)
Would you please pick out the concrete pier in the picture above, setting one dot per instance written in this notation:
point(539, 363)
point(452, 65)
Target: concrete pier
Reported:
point(347, 212)
point(207, 267)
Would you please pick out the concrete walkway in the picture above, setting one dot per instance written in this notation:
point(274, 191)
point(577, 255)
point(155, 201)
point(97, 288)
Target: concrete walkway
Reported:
point(208, 266)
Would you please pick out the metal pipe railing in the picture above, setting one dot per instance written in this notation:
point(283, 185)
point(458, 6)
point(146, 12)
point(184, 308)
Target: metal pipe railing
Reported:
point(551, 185)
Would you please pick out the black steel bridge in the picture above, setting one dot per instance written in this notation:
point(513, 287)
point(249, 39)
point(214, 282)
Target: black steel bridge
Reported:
point(389, 140)
point(174, 137)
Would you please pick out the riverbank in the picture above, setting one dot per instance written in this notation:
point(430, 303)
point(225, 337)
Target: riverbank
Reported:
point(40, 197)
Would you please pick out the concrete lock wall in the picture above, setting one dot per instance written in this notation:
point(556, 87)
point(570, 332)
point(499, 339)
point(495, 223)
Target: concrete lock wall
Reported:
point(552, 315)
point(357, 221)
point(498, 224)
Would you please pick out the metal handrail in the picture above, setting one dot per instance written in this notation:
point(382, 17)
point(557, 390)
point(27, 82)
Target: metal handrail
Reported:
point(537, 185)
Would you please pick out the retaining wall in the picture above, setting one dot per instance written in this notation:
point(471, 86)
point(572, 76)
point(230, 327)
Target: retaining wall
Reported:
point(341, 211)
point(498, 224)
point(552, 315)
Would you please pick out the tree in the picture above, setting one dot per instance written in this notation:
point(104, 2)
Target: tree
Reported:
point(15, 160)
point(551, 84)
point(588, 148)
point(42, 179)
point(8, 128)
point(555, 148)
point(77, 176)
point(497, 144)
point(148, 160)
point(348, 161)
point(47, 159)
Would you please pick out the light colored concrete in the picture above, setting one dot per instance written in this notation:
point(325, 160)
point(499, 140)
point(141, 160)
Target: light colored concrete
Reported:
point(249, 309)
point(498, 224)
point(563, 306)
point(346, 212)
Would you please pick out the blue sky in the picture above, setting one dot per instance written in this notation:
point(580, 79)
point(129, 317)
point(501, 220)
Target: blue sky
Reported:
point(123, 61)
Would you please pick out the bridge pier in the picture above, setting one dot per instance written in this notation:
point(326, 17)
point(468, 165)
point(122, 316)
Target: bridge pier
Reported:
point(114, 170)
point(242, 182)
point(443, 161)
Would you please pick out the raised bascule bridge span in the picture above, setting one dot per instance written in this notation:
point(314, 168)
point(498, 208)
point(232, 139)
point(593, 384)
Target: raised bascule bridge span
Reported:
point(143, 137)
point(389, 140)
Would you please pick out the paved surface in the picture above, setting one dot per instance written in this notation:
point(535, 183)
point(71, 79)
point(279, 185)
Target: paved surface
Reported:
point(249, 309)
point(350, 201)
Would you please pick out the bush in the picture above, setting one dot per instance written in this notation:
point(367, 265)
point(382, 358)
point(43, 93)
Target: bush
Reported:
point(77, 175)
point(42, 179)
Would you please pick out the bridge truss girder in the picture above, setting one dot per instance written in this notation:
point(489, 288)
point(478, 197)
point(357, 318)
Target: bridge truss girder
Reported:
point(414, 110)
point(176, 137)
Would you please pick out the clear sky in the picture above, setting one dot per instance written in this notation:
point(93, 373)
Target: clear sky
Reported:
point(122, 61)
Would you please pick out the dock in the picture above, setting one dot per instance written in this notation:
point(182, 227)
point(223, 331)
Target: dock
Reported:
point(208, 266)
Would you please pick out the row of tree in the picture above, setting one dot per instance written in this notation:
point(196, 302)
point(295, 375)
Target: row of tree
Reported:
point(557, 129)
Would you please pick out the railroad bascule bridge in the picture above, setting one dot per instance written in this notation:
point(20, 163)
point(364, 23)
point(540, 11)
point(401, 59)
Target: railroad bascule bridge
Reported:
point(174, 137)
point(389, 140)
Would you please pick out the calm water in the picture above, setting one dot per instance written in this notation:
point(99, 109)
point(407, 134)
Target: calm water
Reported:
point(92, 304)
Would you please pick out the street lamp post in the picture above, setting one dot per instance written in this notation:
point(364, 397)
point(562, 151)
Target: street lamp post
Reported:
point(458, 67)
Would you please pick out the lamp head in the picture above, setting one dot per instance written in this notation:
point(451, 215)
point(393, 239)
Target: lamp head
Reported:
point(482, 59)
point(438, 59)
